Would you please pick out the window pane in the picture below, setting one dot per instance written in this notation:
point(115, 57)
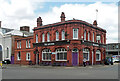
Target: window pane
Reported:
point(65, 56)
point(61, 56)
point(57, 56)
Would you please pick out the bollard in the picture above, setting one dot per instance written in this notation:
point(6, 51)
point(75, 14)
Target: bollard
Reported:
point(1, 63)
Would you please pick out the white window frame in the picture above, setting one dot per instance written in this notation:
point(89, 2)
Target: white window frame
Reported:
point(45, 51)
point(18, 58)
point(98, 52)
point(85, 34)
point(88, 36)
point(63, 35)
point(48, 37)
point(88, 52)
point(36, 38)
point(75, 32)
point(59, 51)
point(43, 37)
point(29, 43)
point(57, 36)
point(28, 54)
point(26, 43)
point(93, 37)
point(17, 44)
point(20, 44)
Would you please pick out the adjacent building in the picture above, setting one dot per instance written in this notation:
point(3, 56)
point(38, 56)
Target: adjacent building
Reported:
point(112, 49)
point(63, 43)
point(7, 42)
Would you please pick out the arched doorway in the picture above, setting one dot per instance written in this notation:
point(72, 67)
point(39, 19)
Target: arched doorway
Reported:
point(75, 57)
point(0, 53)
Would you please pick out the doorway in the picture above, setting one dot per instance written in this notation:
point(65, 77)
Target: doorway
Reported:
point(75, 57)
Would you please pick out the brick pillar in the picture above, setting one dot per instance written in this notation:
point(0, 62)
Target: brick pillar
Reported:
point(69, 58)
point(90, 56)
point(81, 57)
point(52, 58)
point(94, 56)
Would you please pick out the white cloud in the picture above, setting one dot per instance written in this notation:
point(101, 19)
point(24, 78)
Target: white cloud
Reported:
point(107, 16)
point(21, 12)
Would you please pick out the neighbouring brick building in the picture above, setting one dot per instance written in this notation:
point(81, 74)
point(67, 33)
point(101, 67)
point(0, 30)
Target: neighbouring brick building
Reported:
point(64, 43)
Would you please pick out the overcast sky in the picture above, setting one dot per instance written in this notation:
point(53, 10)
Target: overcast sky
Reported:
point(16, 13)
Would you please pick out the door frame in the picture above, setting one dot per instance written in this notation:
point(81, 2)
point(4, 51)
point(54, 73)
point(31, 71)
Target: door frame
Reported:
point(77, 55)
point(37, 59)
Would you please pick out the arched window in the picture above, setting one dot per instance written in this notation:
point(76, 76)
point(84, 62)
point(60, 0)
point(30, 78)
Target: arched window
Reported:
point(84, 35)
point(57, 35)
point(36, 38)
point(46, 54)
point(7, 53)
point(88, 36)
point(48, 37)
point(43, 37)
point(103, 39)
point(61, 54)
point(98, 55)
point(93, 37)
point(86, 54)
point(63, 35)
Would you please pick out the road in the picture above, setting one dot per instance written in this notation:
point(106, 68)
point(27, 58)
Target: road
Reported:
point(49, 72)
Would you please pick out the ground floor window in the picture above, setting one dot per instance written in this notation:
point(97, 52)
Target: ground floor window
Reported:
point(86, 54)
point(98, 55)
point(46, 54)
point(61, 54)
point(28, 56)
point(19, 56)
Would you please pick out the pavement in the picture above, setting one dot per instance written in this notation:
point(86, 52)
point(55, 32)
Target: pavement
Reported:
point(38, 66)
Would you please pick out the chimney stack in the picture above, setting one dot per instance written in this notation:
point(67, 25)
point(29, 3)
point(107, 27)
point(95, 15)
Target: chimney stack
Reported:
point(25, 28)
point(62, 17)
point(39, 22)
point(0, 24)
point(95, 23)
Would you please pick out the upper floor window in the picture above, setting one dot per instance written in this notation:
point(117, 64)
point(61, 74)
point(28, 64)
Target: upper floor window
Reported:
point(63, 35)
point(43, 37)
point(29, 43)
point(88, 36)
point(57, 35)
point(20, 44)
point(98, 38)
point(85, 35)
point(48, 37)
point(93, 37)
point(17, 44)
point(36, 38)
point(75, 33)
point(26, 43)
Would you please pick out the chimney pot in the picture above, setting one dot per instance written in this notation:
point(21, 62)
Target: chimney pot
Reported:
point(95, 23)
point(39, 21)
point(62, 17)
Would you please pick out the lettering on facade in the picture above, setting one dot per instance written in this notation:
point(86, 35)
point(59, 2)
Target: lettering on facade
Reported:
point(48, 44)
point(95, 45)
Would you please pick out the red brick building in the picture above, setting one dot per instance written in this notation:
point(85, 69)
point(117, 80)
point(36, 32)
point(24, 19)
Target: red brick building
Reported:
point(67, 43)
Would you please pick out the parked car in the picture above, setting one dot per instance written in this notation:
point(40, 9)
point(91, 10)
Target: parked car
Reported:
point(6, 62)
